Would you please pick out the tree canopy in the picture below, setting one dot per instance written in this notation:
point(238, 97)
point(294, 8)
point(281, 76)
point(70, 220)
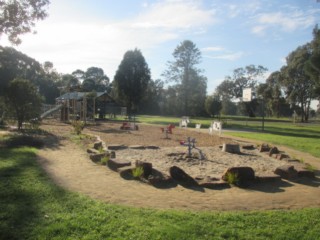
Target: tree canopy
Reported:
point(22, 96)
point(132, 79)
point(298, 85)
point(19, 16)
point(191, 86)
point(16, 64)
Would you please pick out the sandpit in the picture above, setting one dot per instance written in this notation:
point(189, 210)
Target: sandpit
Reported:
point(69, 166)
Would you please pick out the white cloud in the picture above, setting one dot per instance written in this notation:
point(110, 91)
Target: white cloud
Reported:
point(238, 8)
point(227, 56)
point(259, 30)
point(174, 15)
point(288, 21)
point(212, 49)
point(71, 44)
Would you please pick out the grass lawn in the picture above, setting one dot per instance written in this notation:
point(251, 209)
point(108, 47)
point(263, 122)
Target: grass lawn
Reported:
point(32, 207)
point(305, 138)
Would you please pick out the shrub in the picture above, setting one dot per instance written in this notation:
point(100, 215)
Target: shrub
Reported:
point(232, 178)
point(100, 149)
point(137, 172)
point(78, 126)
point(104, 160)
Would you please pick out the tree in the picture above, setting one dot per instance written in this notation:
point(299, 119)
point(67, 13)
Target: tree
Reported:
point(18, 17)
point(299, 87)
point(152, 98)
point(132, 79)
point(228, 107)
point(23, 100)
point(246, 77)
point(312, 66)
point(271, 92)
point(232, 87)
point(213, 105)
point(170, 104)
point(191, 85)
point(15, 64)
point(95, 80)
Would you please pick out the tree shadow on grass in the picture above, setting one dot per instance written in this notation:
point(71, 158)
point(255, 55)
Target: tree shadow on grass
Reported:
point(18, 206)
point(24, 193)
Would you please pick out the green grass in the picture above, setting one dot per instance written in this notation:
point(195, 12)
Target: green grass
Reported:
point(32, 207)
point(305, 138)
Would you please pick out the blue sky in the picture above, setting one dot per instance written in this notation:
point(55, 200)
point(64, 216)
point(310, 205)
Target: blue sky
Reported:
point(230, 33)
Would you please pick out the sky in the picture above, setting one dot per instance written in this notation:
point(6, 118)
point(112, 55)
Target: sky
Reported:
point(79, 34)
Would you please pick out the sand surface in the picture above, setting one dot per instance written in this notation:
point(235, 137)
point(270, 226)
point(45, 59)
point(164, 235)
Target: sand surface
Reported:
point(68, 165)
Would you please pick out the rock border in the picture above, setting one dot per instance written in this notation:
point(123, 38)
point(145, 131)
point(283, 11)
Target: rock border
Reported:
point(292, 170)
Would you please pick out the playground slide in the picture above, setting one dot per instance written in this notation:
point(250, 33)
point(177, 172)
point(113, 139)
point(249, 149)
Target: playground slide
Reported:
point(52, 110)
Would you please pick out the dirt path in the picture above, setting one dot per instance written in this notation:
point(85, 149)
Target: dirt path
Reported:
point(69, 166)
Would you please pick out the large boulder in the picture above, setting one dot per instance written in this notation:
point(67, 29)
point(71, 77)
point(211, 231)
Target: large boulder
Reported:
point(231, 148)
point(303, 170)
point(97, 157)
point(243, 174)
point(160, 180)
point(248, 147)
point(281, 156)
point(114, 164)
point(92, 150)
point(273, 150)
point(116, 147)
point(286, 172)
point(264, 148)
point(98, 145)
point(152, 147)
point(182, 177)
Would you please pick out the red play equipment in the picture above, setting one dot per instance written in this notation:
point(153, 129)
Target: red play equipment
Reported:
point(168, 129)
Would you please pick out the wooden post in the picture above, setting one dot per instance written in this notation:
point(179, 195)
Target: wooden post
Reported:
point(84, 109)
point(94, 108)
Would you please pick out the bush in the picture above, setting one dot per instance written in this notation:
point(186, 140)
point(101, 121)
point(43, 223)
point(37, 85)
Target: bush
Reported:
point(78, 126)
point(137, 172)
point(232, 178)
point(104, 160)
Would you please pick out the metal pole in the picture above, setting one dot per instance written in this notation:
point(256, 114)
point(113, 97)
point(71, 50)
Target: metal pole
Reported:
point(262, 114)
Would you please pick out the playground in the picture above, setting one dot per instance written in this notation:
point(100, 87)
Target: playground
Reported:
point(69, 166)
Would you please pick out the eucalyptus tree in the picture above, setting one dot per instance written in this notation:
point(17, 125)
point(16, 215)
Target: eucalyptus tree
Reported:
point(190, 82)
point(299, 87)
point(232, 87)
point(16, 64)
point(19, 16)
point(312, 66)
point(246, 77)
point(272, 93)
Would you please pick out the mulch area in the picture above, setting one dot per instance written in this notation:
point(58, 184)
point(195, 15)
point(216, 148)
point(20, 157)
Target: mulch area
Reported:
point(111, 133)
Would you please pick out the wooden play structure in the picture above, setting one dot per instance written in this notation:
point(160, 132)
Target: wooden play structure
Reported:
point(84, 106)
